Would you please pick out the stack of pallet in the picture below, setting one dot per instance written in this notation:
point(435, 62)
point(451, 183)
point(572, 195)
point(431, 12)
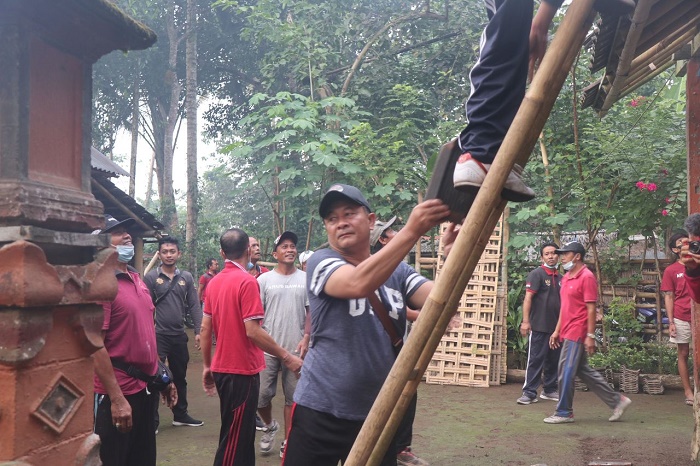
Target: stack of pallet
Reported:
point(474, 354)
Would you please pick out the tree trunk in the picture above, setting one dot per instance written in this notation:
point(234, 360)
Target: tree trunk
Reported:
point(149, 184)
point(556, 230)
point(191, 110)
point(135, 98)
point(170, 115)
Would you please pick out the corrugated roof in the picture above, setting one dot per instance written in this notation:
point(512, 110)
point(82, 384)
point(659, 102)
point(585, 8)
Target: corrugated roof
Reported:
point(127, 201)
point(635, 48)
point(100, 162)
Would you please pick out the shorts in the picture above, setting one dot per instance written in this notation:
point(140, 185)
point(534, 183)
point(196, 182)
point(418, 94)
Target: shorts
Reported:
point(268, 382)
point(683, 332)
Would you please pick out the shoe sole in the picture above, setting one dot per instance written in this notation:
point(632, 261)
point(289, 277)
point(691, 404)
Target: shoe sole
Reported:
point(545, 397)
point(534, 400)
point(184, 424)
point(568, 421)
point(507, 194)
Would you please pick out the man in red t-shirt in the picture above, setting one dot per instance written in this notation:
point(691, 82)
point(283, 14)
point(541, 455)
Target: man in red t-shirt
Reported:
point(575, 333)
point(212, 269)
point(677, 301)
point(234, 312)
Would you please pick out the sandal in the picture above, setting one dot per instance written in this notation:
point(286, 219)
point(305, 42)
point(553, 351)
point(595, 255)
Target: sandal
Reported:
point(689, 401)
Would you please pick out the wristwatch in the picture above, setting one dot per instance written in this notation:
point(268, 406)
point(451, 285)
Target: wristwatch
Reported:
point(591, 335)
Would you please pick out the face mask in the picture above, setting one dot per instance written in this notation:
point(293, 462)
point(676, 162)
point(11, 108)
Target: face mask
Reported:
point(249, 266)
point(568, 266)
point(551, 266)
point(126, 252)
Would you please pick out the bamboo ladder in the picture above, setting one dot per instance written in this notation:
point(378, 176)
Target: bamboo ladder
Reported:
point(380, 426)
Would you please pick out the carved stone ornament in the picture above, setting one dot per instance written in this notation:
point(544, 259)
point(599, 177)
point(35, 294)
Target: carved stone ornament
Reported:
point(23, 334)
point(89, 453)
point(26, 278)
point(60, 403)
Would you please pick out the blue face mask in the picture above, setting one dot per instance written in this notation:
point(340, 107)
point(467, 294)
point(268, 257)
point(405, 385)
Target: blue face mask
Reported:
point(249, 266)
point(126, 252)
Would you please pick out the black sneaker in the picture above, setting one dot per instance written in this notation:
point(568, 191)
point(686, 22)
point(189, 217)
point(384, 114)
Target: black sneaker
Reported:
point(188, 420)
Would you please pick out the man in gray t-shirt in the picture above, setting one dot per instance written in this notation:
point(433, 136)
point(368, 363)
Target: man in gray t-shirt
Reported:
point(351, 352)
point(283, 294)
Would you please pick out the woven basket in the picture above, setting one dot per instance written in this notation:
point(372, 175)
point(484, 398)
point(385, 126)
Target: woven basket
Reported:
point(607, 374)
point(629, 381)
point(652, 385)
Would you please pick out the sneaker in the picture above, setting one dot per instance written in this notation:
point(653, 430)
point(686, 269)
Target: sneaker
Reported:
point(259, 424)
point(188, 420)
point(284, 444)
point(620, 408)
point(526, 400)
point(268, 437)
point(470, 173)
point(554, 419)
point(408, 458)
point(554, 396)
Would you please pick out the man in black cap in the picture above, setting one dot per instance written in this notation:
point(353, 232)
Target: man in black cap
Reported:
point(351, 349)
point(123, 406)
point(283, 295)
point(575, 333)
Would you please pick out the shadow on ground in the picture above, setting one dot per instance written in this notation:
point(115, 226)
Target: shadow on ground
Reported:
point(457, 426)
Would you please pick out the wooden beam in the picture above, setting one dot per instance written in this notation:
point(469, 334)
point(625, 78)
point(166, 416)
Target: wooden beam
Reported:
point(121, 206)
point(639, 20)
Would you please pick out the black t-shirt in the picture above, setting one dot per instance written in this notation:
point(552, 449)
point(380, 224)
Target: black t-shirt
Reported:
point(544, 285)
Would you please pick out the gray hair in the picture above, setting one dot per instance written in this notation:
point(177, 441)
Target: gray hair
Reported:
point(692, 224)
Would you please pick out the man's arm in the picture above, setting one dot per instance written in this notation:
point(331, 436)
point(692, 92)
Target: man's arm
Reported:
point(265, 342)
point(200, 288)
point(358, 281)
point(121, 409)
point(205, 341)
point(194, 308)
point(590, 342)
point(527, 305)
point(692, 270)
point(669, 299)
point(303, 346)
point(539, 32)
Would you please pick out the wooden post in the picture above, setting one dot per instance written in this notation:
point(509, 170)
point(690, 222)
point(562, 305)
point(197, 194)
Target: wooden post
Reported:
point(693, 140)
point(481, 219)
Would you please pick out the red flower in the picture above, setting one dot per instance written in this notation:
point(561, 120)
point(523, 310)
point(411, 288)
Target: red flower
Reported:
point(668, 200)
point(634, 103)
point(641, 185)
point(664, 212)
point(651, 187)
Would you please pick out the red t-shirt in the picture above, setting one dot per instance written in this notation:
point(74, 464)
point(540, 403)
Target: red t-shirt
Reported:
point(204, 281)
point(575, 293)
point(130, 333)
point(674, 281)
point(233, 298)
point(259, 270)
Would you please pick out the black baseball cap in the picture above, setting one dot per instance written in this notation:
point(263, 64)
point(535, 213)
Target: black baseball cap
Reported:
point(379, 228)
point(284, 236)
point(573, 246)
point(112, 223)
point(339, 192)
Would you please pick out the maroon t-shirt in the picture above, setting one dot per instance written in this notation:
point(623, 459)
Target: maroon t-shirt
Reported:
point(674, 281)
point(204, 281)
point(130, 333)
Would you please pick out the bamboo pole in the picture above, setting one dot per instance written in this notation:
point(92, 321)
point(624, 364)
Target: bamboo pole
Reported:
point(482, 217)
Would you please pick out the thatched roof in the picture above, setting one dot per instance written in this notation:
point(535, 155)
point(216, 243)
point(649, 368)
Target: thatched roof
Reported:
point(635, 48)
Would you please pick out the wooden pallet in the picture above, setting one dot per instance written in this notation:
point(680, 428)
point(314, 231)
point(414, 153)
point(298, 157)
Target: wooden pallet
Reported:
point(474, 355)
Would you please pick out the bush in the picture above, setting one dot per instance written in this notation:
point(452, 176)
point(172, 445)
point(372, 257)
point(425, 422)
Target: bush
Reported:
point(625, 346)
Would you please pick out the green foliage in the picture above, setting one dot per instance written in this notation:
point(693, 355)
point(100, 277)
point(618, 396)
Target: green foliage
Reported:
point(517, 344)
point(625, 345)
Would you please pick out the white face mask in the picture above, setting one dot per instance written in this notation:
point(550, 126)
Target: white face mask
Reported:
point(551, 266)
point(568, 266)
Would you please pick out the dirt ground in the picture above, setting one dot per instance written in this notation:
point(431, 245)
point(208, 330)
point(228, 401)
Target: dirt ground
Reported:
point(458, 426)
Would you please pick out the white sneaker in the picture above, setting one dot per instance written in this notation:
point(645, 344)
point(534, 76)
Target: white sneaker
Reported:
point(268, 437)
point(620, 408)
point(470, 173)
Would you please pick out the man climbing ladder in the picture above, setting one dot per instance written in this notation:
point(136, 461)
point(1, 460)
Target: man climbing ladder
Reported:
point(520, 138)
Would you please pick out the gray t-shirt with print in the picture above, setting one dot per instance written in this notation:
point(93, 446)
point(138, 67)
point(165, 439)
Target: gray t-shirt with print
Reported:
point(350, 354)
point(284, 300)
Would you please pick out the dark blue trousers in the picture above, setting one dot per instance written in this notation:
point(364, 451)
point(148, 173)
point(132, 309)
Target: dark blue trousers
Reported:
point(541, 360)
point(499, 77)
